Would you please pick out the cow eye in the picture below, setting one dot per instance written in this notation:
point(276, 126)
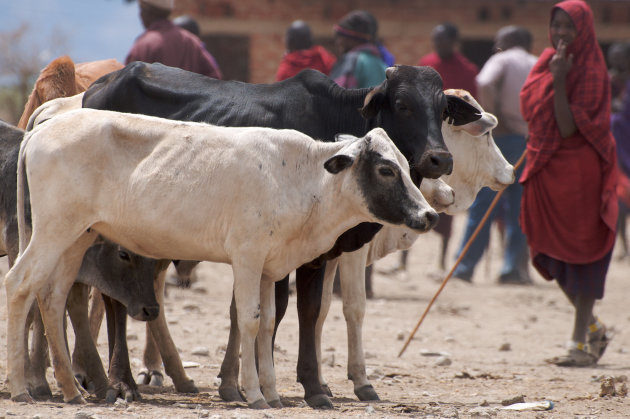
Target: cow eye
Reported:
point(386, 171)
point(401, 106)
point(124, 255)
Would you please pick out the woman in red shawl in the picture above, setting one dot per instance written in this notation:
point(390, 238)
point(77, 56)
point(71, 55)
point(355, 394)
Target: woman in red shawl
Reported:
point(569, 208)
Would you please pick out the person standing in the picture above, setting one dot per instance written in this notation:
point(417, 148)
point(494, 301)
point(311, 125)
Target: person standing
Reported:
point(360, 64)
point(456, 70)
point(166, 43)
point(499, 84)
point(301, 53)
point(569, 206)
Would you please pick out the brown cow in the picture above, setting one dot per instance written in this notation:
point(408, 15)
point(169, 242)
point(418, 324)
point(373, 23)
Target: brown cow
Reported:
point(63, 78)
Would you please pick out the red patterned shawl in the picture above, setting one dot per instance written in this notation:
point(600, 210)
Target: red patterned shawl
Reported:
point(549, 214)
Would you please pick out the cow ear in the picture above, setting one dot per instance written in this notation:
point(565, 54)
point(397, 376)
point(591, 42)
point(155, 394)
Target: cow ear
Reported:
point(481, 126)
point(338, 162)
point(459, 112)
point(374, 101)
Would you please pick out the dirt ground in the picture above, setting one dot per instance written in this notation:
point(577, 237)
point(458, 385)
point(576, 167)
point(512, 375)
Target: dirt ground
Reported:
point(495, 336)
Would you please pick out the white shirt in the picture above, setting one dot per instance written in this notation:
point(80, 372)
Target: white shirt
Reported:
point(500, 82)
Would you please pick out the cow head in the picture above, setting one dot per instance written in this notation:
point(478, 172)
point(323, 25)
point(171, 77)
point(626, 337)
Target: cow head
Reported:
point(123, 276)
point(410, 105)
point(477, 161)
point(381, 174)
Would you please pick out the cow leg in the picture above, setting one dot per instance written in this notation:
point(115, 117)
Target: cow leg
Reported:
point(37, 362)
point(168, 351)
point(152, 374)
point(327, 293)
point(121, 382)
point(29, 275)
point(97, 311)
point(309, 283)
point(352, 274)
point(52, 298)
point(247, 288)
point(266, 371)
point(86, 362)
point(282, 302)
point(228, 390)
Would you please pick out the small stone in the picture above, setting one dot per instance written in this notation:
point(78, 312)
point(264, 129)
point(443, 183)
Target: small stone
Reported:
point(201, 351)
point(623, 390)
point(369, 410)
point(172, 321)
point(505, 347)
point(37, 417)
point(449, 339)
point(83, 415)
point(120, 404)
point(443, 361)
point(132, 336)
point(203, 413)
point(607, 387)
point(450, 412)
point(268, 415)
point(191, 307)
point(401, 335)
point(190, 364)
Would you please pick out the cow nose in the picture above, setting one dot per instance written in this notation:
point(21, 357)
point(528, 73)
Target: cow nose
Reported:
point(432, 219)
point(436, 163)
point(425, 221)
point(148, 313)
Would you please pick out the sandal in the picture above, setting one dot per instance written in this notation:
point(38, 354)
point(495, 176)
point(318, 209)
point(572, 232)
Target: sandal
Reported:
point(598, 339)
point(577, 356)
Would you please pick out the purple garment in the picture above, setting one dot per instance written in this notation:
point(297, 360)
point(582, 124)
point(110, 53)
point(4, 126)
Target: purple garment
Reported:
point(163, 42)
point(620, 126)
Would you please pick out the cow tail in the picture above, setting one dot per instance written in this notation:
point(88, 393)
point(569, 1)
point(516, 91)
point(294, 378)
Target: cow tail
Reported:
point(21, 192)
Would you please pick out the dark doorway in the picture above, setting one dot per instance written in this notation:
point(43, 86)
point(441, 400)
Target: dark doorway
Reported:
point(231, 53)
point(477, 50)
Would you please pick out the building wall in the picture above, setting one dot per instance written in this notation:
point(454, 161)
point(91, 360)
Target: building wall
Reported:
point(404, 25)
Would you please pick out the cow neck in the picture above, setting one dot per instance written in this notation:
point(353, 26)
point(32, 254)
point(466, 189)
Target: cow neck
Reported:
point(350, 122)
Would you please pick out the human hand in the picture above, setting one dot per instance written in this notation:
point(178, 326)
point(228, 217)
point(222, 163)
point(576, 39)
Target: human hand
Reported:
point(560, 64)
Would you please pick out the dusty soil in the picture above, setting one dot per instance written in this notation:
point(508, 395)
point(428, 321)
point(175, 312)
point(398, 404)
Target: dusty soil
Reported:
point(495, 336)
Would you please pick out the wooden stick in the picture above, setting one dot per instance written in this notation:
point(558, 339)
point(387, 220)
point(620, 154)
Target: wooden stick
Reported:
point(461, 256)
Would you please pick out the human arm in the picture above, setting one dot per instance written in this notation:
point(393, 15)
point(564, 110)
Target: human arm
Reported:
point(559, 66)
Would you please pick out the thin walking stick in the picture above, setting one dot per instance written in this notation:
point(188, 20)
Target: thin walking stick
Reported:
point(461, 256)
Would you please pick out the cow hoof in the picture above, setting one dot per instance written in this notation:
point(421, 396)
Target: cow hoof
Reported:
point(187, 387)
point(230, 394)
point(259, 404)
point(157, 379)
point(123, 390)
point(77, 400)
point(319, 401)
point(84, 382)
point(143, 377)
point(366, 393)
point(326, 390)
point(41, 392)
point(276, 404)
point(23, 398)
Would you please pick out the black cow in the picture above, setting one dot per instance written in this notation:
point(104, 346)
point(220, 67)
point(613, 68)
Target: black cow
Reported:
point(410, 105)
point(117, 273)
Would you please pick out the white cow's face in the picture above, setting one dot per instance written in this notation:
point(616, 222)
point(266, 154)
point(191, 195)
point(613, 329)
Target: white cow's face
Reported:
point(382, 177)
point(477, 161)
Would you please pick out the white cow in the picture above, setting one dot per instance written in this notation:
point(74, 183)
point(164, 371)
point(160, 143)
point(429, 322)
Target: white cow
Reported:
point(181, 190)
point(477, 162)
